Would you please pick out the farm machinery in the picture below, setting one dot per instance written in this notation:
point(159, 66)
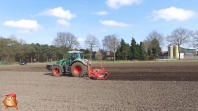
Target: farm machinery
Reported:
point(77, 66)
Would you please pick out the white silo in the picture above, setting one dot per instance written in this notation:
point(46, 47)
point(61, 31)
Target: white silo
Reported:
point(170, 52)
point(175, 52)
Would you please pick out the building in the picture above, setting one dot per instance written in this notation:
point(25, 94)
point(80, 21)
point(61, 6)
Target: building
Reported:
point(173, 52)
point(101, 54)
point(189, 53)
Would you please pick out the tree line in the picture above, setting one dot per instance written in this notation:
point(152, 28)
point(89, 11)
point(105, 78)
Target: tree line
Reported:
point(16, 50)
point(150, 48)
point(136, 51)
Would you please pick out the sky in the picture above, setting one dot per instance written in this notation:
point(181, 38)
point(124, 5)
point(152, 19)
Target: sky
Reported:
point(39, 21)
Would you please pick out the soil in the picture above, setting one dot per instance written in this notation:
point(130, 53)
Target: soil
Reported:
point(132, 86)
point(135, 71)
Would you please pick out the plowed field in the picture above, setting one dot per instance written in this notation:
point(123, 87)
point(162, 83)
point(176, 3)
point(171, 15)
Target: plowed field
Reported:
point(134, 71)
point(132, 86)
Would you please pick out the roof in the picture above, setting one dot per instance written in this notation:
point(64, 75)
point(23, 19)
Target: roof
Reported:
point(75, 52)
point(107, 53)
point(103, 52)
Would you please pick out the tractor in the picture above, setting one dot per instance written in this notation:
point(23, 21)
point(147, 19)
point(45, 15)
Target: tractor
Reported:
point(77, 66)
point(74, 64)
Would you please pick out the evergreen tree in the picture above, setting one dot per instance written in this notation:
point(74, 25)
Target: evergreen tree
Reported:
point(124, 50)
point(138, 51)
point(128, 52)
point(142, 51)
point(150, 54)
point(155, 47)
point(134, 49)
point(122, 47)
point(118, 53)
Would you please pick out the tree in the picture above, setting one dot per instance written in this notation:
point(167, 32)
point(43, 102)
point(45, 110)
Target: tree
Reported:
point(155, 47)
point(92, 42)
point(32, 52)
point(150, 54)
point(156, 35)
point(38, 50)
point(134, 49)
point(195, 39)
point(118, 53)
point(4, 50)
point(9, 48)
point(53, 53)
point(179, 36)
point(123, 51)
point(142, 51)
point(111, 43)
point(152, 44)
point(66, 39)
point(86, 52)
point(127, 52)
point(146, 44)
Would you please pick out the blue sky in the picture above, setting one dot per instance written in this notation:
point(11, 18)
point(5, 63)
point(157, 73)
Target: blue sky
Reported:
point(38, 21)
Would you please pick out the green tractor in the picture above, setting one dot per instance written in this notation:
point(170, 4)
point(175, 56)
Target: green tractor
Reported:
point(74, 64)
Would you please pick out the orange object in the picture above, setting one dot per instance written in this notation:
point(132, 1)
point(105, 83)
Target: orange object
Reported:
point(95, 73)
point(10, 101)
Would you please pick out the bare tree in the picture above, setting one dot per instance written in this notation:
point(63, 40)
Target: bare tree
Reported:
point(111, 43)
point(156, 35)
point(21, 41)
point(92, 42)
point(146, 44)
point(195, 39)
point(179, 37)
point(66, 39)
point(151, 36)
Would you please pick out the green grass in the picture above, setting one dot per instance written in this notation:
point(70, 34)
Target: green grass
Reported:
point(8, 65)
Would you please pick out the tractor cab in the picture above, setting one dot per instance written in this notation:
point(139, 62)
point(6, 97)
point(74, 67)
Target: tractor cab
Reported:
point(74, 55)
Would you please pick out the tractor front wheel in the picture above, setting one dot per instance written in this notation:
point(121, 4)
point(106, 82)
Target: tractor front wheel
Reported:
point(78, 69)
point(56, 71)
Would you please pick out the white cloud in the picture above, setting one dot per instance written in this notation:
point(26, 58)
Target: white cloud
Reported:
point(113, 23)
point(63, 22)
point(173, 13)
point(27, 26)
point(119, 3)
point(101, 13)
point(59, 12)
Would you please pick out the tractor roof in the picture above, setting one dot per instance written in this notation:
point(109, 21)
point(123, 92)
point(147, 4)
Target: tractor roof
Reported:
point(75, 52)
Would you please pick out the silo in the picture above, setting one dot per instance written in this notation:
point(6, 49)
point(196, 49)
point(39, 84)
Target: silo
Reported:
point(170, 52)
point(175, 52)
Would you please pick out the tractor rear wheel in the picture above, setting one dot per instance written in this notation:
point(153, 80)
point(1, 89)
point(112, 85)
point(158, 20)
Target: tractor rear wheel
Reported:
point(56, 71)
point(78, 69)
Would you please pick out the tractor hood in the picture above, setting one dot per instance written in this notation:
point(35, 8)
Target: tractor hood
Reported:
point(84, 61)
point(63, 61)
point(60, 62)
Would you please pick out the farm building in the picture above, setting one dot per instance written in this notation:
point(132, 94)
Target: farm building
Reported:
point(101, 54)
point(189, 53)
point(185, 53)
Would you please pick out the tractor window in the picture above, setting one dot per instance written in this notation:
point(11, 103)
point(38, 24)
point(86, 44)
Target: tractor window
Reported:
point(75, 55)
point(68, 55)
point(81, 56)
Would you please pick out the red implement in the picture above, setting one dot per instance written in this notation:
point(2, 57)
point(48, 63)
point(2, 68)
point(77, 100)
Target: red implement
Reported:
point(95, 73)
